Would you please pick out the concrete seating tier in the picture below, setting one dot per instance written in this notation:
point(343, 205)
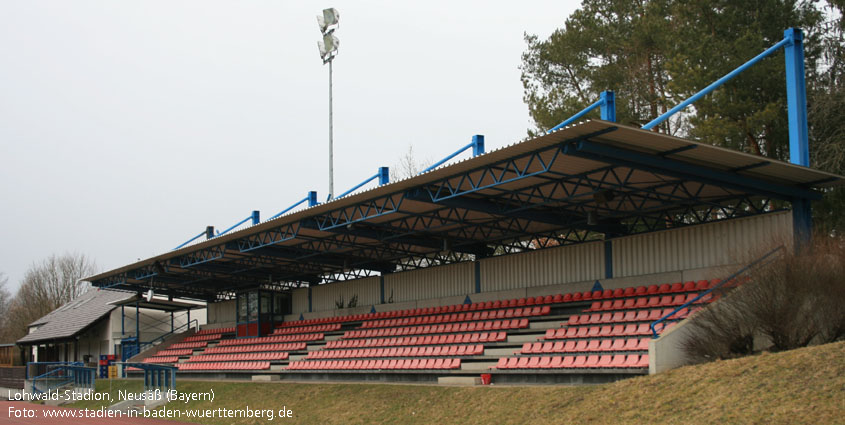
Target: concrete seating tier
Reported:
point(627, 317)
point(255, 348)
point(177, 352)
point(203, 337)
point(225, 366)
point(161, 359)
point(648, 302)
point(269, 355)
point(381, 364)
point(461, 317)
point(229, 330)
point(605, 331)
point(427, 351)
point(618, 361)
point(272, 339)
point(584, 346)
point(493, 325)
point(306, 329)
point(414, 340)
point(192, 345)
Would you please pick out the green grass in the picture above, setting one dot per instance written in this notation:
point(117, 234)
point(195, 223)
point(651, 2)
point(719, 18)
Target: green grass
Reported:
point(800, 386)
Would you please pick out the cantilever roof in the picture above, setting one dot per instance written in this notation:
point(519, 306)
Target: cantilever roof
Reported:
point(539, 186)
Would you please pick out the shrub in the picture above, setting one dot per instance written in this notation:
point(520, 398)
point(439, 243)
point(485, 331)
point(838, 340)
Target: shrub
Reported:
point(794, 301)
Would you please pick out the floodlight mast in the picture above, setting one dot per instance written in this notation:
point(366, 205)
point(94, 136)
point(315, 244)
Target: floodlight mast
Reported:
point(328, 22)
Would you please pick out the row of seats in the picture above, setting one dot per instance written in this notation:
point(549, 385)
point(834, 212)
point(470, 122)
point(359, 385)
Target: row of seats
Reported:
point(191, 345)
point(267, 355)
point(618, 361)
point(161, 359)
point(272, 339)
point(583, 346)
point(627, 316)
point(176, 352)
point(295, 346)
point(509, 313)
point(603, 331)
point(472, 338)
point(306, 329)
point(384, 364)
point(230, 330)
point(494, 325)
point(225, 366)
point(203, 337)
point(429, 351)
point(517, 302)
point(648, 302)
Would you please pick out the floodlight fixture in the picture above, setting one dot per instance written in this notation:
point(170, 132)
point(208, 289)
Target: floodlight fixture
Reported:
point(330, 17)
point(328, 45)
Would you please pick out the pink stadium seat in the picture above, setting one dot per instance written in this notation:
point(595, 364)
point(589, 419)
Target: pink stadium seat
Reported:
point(580, 346)
point(522, 363)
point(641, 290)
point(512, 362)
point(579, 361)
point(604, 361)
point(556, 362)
point(533, 363)
point(568, 361)
point(586, 296)
point(568, 347)
point(593, 345)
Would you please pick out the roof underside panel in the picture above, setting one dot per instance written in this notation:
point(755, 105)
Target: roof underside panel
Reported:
point(595, 180)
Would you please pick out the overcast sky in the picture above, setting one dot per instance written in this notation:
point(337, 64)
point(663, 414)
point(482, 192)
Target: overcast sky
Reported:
point(127, 127)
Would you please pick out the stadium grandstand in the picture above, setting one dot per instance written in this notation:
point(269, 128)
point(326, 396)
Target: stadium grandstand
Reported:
point(573, 257)
point(544, 261)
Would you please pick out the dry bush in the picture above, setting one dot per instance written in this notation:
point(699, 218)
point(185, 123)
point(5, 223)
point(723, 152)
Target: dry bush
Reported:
point(794, 301)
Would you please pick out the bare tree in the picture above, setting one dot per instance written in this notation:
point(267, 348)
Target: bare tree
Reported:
point(46, 286)
point(409, 165)
point(5, 297)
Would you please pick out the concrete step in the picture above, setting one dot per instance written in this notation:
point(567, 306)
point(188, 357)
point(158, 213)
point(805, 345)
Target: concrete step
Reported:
point(459, 380)
point(524, 338)
point(295, 357)
point(500, 352)
point(551, 324)
point(477, 366)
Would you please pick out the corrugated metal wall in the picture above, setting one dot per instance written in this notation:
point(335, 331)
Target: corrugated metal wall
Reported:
point(435, 282)
point(716, 244)
point(323, 297)
point(551, 266)
point(299, 301)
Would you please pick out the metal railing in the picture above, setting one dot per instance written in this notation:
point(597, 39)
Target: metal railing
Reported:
point(156, 376)
point(758, 262)
point(144, 345)
point(58, 374)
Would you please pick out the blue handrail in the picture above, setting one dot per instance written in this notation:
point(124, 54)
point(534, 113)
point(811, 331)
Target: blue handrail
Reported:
point(64, 373)
point(155, 375)
point(477, 145)
point(754, 263)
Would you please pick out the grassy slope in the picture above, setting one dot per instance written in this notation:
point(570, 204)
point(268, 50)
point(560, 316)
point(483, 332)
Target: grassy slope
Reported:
point(800, 386)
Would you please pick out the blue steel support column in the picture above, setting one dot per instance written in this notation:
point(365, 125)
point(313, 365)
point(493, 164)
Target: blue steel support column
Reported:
point(122, 317)
point(608, 259)
point(171, 322)
point(796, 97)
point(802, 222)
point(256, 217)
point(209, 232)
point(477, 144)
point(188, 326)
point(608, 106)
point(381, 287)
point(799, 151)
point(477, 277)
point(309, 298)
point(138, 324)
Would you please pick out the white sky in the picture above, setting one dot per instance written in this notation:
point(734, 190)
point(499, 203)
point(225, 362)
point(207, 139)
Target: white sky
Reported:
point(127, 127)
